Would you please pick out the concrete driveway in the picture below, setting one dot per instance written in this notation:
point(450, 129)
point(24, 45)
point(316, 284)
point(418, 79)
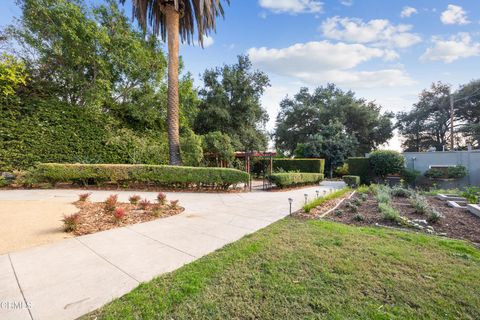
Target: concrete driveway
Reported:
point(71, 277)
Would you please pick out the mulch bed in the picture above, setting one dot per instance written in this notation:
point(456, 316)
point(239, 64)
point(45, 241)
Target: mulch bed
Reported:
point(92, 216)
point(456, 223)
point(321, 209)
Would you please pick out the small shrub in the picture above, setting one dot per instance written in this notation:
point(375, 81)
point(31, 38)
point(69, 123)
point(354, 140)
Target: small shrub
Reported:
point(111, 203)
point(3, 182)
point(471, 194)
point(157, 211)
point(358, 217)
point(364, 197)
point(83, 197)
point(353, 207)
point(356, 201)
point(134, 199)
point(388, 212)
point(410, 176)
point(144, 204)
point(338, 213)
point(433, 215)
point(383, 196)
point(419, 203)
point(352, 181)
point(401, 192)
point(174, 204)
point(70, 222)
point(119, 214)
point(162, 198)
point(363, 189)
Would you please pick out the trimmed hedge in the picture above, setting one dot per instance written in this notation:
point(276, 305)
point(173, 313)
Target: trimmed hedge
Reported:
point(300, 165)
point(351, 181)
point(159, 175)
point(360, 166)
point(287, 179)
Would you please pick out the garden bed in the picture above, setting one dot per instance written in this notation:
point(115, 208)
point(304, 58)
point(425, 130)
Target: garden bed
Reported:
point(100, 216)
point(454, 223)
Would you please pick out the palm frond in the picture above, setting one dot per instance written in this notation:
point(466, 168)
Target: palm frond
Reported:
point(196, 16)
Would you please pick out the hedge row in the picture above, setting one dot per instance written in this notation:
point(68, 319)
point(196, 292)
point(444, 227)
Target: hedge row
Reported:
point(283, 180)
point(158, 175)
point(359, 166)
point(351, 181)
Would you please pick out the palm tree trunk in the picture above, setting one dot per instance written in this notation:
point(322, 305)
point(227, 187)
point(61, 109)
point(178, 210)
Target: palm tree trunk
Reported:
point(173, 20)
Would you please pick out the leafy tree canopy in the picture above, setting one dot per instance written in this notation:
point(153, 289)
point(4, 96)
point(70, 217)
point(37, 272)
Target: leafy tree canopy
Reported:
point(427, 124)
point(305, 115)
point(331, 143)
point(231, 104)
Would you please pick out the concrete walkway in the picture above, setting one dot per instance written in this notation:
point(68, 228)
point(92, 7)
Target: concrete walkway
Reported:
point(67, 279)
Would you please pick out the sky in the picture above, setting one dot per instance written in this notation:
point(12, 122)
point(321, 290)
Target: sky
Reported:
point(385, 51)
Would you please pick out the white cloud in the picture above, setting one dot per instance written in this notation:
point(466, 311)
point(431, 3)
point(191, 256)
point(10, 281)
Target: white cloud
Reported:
point(347, 3)
point(378, 32)
point(317, 63)
point(208, 41)
point(292, 6)
point(408, 12)
point(456, 47)
point(454, 15)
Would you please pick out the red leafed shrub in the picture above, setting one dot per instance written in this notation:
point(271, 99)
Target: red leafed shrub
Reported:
point(111, 202)
point(162, 198)
point(144, 204)
point(70, 222)
point(174, 204)
point(119, 213)
point(84, 197)
point(134, 199)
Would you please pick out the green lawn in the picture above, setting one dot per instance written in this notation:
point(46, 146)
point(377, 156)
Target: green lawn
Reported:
point(315, 270)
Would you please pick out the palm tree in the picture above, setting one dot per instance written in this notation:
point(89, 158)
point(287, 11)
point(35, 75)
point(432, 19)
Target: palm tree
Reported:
point(174, 19)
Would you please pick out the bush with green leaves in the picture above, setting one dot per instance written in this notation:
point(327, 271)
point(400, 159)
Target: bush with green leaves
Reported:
point(386, 162)
point(471, 194)
point(162, 176)
point(433, 215)
point(388, 212)
point(359, 217)
point(410, 176)
point(419, 204)
point(383, 194)
point(351, 181)
point(400, 192)
point(360, 166)
point(289, 179)
point(455, 172)
point(351, 206)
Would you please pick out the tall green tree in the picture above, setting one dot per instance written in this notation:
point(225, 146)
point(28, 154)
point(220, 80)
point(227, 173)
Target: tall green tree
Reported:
point(304, 116)
point(177, 18)
point(231, 104)
point(331, 143)
point(427, 125)
point(467, 111)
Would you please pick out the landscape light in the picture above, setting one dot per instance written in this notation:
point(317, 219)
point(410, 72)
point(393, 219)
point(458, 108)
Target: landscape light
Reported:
point(306, 198)
point(290, 200)
point(317, 192)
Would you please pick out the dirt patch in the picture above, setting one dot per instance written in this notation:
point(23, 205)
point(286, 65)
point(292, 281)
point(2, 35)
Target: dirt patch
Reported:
point(456, 223)
point(93, 217)
point(26, 224)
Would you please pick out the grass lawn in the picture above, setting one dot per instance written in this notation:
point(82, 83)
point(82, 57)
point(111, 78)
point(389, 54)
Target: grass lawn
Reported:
point(316, 269)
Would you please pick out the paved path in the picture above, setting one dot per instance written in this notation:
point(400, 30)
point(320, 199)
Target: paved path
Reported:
point(67, 279)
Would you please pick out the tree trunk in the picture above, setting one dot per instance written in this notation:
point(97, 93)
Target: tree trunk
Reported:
point(173, 20)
